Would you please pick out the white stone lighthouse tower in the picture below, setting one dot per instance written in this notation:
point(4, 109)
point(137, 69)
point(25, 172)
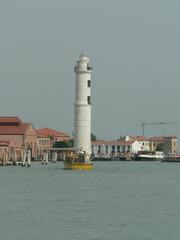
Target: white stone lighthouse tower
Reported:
point(82, 121)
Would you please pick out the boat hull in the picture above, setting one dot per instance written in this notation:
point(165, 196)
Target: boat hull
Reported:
point(171, 159)
point(78, 166)
point(149, 156)
point(147, 159)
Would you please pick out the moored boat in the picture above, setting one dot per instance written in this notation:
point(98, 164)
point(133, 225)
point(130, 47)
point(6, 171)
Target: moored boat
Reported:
point(149, 156)
point(77, 161)
point(171, 158)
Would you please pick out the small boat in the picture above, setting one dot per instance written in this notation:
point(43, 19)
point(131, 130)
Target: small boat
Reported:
point(77, 161)
point(101, 159)
point(171, 158)
point(149, 156)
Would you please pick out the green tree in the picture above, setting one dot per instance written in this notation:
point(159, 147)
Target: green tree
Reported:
point(64, 144)
point(93, 137)
point(160, 147)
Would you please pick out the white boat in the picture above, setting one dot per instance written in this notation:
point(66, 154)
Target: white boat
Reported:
point(149, 156)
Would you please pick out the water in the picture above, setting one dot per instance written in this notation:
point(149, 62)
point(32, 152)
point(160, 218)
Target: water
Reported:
point(117, 200)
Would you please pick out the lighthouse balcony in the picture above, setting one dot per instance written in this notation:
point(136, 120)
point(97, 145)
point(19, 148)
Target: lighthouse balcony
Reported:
point(82, 69)
point(89, 68)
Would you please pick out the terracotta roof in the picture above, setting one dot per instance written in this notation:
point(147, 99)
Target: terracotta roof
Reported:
point(141, 138)
point(171, 137)
point(41, 135)
point(50, 132)
point(14, 130)
point(156, 139)
point(162, 138)
point(10, 120)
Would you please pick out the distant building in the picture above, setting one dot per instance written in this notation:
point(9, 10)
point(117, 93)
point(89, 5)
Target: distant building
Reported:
point(168, 144)
point(18, 134)
point(129, 144)
point(43, 143)
point(4, 146)
point(144, 142)
point(101, 148)
point(55, 136)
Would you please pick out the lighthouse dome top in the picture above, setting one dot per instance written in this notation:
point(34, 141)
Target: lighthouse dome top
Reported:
point(83, 57)
point(83, 64)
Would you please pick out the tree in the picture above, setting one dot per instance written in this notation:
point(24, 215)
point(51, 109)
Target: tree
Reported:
point(64, 144)
point(93, 137)
point(160, 147)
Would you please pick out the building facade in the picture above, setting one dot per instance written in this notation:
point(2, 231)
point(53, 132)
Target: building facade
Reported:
point(108, 149)
point(18, 134)
point(132, 145)
point(55, 136)
point(167, 144)
point(43, 143)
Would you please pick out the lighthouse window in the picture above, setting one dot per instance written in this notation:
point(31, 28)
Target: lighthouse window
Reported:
point(89, 99)
point(89, 67)
point(89, 83)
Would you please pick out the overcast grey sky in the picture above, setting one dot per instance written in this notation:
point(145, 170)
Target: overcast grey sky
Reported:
point(134, 47)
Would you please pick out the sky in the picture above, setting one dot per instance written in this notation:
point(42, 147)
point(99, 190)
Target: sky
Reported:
point(133, 46)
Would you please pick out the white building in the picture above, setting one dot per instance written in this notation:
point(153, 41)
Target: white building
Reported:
point(101, 148)
point(82, 121)
point(144, 142)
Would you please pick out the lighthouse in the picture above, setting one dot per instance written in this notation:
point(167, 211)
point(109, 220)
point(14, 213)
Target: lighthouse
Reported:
point(82, 106)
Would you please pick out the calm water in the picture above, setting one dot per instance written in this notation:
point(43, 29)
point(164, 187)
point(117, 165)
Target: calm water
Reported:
point(118, 200)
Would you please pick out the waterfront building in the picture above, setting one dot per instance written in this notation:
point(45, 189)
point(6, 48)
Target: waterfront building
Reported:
point(108, 149)
point(144, 142)
point(170, 145)
point(44, 142)
point(4, 147)
point(55, 136)
point(18, 134)
point(167, 144)
point(132, 145)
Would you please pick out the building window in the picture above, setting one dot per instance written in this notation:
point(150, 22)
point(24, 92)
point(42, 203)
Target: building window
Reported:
point(89, 83)
point(89, 100)
point(99, 149)
point(106, 149)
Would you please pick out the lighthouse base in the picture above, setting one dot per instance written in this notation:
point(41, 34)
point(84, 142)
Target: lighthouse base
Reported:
point(78, 166)
point(77, 161)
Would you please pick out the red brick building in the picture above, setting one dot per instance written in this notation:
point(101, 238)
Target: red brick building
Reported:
point(56, 136)
point(43, 143)
point(18, 134)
